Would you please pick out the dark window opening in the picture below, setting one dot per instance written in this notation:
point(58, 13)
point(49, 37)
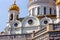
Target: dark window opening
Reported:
point(50, 11)
point(16, 24)
point(44, 10)
point(30, 21)
point(11, 17)
point(38, 10)
point(45, 21)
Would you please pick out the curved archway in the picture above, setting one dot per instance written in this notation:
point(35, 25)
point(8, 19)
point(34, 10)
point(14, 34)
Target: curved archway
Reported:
point(34, 21)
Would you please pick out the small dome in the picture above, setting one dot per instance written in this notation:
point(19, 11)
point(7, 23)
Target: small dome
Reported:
point(57, 2)
point(14, 7)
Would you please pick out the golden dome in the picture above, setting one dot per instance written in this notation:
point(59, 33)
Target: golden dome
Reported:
point(14, 7)
point(57, 2)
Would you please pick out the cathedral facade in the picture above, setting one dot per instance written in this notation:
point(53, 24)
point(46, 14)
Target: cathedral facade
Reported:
point(42, 22)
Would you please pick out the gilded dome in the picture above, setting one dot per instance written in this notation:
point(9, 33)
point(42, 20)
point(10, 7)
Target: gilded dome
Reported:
point(14, 7)
point(57, 2)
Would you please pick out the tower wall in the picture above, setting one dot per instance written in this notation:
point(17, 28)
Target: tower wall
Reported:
point(14, 15)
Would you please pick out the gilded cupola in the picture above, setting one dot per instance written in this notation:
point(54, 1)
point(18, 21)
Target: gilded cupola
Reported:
point(57, 2)
point(14, 7)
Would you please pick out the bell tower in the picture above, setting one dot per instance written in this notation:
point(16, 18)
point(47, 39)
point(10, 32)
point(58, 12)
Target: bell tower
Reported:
point(58, 10)
point(13, 16)
point(13, 12)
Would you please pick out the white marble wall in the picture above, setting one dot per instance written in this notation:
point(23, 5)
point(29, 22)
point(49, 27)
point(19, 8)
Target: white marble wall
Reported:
point(58, 13)
point(48, 4)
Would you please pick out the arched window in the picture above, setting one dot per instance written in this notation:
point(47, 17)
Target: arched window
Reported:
point(44, 10)
point(50, 11)
point(38, 10)
point(11, 17)
point(15, 24)
point(30, 21)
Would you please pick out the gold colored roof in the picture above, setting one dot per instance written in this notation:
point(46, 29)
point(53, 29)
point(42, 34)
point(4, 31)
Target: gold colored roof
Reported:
point(57, 2)
point(14, 7)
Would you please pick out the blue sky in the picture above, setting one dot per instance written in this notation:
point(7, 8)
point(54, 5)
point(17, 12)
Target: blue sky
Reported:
point(4, 6)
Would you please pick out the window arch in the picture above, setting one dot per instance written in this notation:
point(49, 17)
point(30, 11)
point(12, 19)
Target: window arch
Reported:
point(38, 10)
point(50, 11)
point(11, 17)
point(44, 10)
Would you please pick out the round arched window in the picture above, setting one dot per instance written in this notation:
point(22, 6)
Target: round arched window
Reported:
point(15, 24)
point(30, 21)
point(45, 22)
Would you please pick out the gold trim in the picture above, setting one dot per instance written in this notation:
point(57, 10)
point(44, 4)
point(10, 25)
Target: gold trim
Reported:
point(50, 16)
point(57, 2)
